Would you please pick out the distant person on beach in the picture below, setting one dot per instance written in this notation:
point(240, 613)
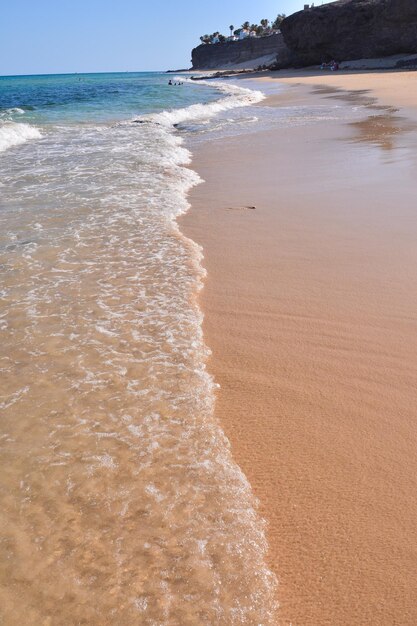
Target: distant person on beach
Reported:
point(333, 66)
point(170, 82)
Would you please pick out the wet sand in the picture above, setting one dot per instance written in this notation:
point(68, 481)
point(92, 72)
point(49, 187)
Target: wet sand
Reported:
point(310, 311)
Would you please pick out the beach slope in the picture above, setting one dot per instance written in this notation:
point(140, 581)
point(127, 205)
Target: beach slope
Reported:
point(310, 311)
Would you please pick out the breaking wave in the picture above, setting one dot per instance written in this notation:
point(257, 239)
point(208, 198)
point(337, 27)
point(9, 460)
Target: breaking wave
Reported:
point(13, 134)
point(234, 97)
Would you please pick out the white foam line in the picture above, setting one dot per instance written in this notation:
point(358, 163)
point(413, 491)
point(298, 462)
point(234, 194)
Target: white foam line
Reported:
point(234, 97)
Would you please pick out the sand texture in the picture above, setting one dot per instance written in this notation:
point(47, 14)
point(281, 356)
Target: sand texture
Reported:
point(310, 311)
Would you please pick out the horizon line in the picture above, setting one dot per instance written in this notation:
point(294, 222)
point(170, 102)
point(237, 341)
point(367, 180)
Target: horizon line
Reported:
point(84, 73)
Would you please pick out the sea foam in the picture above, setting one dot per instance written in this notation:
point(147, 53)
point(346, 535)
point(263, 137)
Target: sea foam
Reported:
point(115, 392)
point(13, 134)
point(234, 97)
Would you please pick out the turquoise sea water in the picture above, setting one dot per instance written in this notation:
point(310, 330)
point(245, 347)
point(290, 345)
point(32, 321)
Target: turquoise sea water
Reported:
point(73, 98)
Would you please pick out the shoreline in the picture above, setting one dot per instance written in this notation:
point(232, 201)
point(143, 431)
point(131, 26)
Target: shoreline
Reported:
point(396, 63)
point(121, 502)
point(309, 312)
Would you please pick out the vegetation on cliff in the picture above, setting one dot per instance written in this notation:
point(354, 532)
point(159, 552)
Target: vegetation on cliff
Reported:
point(343, 30)
point(263, 29)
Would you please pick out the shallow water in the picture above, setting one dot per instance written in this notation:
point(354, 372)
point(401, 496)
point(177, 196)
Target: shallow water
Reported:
point(121, 503)
point(120, 500)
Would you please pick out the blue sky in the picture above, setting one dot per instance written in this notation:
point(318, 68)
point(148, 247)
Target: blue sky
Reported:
point(46, 36)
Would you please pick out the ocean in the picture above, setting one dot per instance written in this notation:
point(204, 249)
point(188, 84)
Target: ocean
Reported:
point(120, 499)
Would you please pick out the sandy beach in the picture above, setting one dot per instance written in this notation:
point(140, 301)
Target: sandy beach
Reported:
point(310, 312)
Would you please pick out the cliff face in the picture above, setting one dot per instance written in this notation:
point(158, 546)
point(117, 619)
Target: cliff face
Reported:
point(342, 30)
point(222, 55)
point(352, 29)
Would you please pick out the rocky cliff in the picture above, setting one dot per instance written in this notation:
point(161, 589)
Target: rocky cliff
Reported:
point(352, 29)
point(249, 52)
point(342, 30)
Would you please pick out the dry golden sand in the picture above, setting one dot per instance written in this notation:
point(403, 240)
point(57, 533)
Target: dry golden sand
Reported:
point(311, 313)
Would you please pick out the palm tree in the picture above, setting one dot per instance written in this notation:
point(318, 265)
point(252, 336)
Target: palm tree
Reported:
point(231, 29)
point(280, 18)
point(265, 23)
point(245, 25)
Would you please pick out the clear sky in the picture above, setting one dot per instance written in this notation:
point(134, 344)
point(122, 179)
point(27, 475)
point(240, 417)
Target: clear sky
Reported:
point(54, 36)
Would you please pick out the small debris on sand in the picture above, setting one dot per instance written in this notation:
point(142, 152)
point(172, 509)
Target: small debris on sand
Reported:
point(241, 208)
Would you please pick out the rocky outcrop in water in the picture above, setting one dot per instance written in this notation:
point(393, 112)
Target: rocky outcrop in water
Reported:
point(352, 29)
point(266, 50)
